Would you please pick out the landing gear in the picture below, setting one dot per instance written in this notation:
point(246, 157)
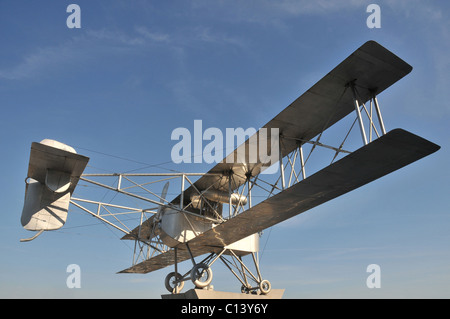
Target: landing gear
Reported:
point(174, 282)
point(201, 275)
point(265, 287)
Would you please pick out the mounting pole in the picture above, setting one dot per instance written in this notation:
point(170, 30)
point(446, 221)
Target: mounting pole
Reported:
point(358, 113)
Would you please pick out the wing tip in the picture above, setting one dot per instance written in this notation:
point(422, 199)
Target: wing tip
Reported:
point(380, 50)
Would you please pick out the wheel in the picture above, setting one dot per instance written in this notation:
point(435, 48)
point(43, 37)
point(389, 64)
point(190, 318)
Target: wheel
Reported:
point(201, 275)
point(173, 282)
point(265, 287)
point(244, 289)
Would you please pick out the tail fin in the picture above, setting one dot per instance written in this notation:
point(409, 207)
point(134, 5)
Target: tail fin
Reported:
point(53, 173)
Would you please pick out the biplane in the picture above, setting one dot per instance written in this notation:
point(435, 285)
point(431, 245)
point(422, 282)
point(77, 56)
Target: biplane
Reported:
point(215, 216)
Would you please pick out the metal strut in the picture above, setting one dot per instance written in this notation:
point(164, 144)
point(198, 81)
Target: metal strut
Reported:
point(358, 113)
point(377, 108)
point(263, 286)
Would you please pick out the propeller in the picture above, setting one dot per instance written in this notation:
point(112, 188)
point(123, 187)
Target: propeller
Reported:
point(161, 207)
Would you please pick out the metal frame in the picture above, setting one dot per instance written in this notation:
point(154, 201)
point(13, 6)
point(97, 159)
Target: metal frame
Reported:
point(116, 216)
point(373, 102)
point(244, 274)
point(292, 170)
point(250, 283)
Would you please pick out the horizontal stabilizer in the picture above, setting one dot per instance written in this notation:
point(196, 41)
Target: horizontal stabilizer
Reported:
point(52, 163)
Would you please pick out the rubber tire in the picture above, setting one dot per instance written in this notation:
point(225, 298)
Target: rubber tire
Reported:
point(201, 268)
point(244, 290)
point(265, 287)
point(169, 285)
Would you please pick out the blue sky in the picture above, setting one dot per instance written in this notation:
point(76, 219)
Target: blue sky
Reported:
point(136, 70)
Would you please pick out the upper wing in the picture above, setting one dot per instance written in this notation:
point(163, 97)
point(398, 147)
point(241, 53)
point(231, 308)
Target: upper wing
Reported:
point(372, 68)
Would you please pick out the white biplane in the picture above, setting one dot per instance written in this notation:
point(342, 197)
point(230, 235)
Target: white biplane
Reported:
point(197, 222)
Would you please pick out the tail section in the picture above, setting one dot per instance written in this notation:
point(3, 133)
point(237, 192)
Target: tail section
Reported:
point(53, 173)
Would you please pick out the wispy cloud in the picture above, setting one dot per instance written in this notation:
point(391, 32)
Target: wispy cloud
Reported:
point(274, 13)
point(152, 36)
point(97, 43)
point(141, 36)
point(36, 61)
point(91, 44)
point(302, 7)
point(207, 35)
point(429, 26)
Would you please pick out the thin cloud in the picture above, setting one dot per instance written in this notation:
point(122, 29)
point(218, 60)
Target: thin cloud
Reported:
point(95, 43)
point(267, 12)
point(40, 60)
point(431, 30)
point(205, 34)
point(152, 36)
point(86, 46)
point(319, 7)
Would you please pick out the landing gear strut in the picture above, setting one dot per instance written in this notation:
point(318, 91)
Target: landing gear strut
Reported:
point(201, 274)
